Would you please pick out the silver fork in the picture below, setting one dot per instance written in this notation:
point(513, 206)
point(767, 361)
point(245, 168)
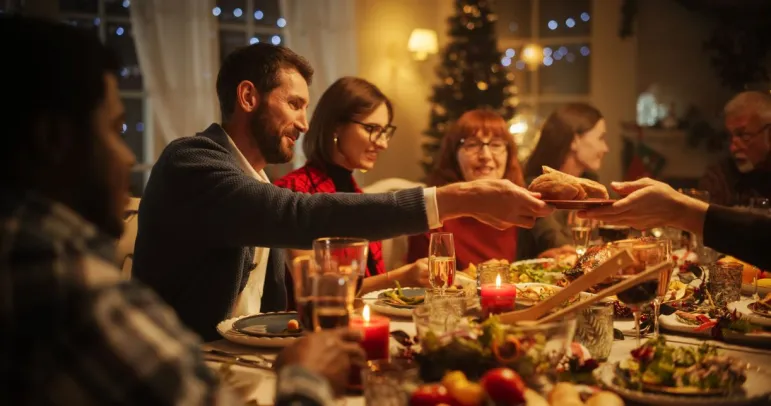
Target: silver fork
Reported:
point(263, 362)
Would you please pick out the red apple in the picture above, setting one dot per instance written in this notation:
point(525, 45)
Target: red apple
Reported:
point(431, 395)
point(504, 386)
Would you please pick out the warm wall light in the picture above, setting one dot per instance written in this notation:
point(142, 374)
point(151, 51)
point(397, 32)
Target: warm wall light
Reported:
point(532, 55)
point(423, 42)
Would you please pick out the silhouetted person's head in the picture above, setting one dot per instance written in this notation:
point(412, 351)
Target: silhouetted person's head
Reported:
point(63, 120)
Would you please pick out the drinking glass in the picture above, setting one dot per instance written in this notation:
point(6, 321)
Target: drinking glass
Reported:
point(441, 261)
point(330, 301)
point(388, 382)
point(595, 330)
point(610, 233)
point(303, 272)
point(346, 256)
point(760, 205)
point(725, 282)
point(646, 254)
point(581, 229)
point(664, 277)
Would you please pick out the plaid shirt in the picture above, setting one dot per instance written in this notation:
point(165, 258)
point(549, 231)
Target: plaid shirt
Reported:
point(312, 179)
point(74, 332)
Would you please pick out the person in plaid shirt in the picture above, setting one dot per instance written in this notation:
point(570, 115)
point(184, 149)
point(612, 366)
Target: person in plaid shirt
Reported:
point(351, 126)
point(74, 332)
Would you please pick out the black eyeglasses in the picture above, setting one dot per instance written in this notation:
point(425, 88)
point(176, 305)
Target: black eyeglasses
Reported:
point(475, 145)
point(376, 132)
point(746, 137)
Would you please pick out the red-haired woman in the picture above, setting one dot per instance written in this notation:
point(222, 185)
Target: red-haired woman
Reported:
point(477, 146)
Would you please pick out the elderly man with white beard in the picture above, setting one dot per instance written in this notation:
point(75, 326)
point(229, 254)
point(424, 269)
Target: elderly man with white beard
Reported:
point(747, 173)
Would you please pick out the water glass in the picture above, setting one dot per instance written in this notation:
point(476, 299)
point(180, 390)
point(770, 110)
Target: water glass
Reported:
point(346, 256)
point(330, 301)
point(389, 382)
point(441, 260)
point(439, 318)
point(595, 330)
point(725, 282)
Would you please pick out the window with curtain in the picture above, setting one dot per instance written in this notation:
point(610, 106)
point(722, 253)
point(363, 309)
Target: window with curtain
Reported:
point(109, 19)
point(244, 22)
point(547, 47)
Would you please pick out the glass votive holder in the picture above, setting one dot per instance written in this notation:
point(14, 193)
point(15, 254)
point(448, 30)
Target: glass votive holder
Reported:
point(725, 282)
point(497, 294)
point(595, 330)
point(389, 382)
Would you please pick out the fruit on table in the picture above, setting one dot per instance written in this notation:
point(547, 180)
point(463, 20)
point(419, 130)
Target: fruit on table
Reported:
point(432, 395)
point(293, 325)
point(504, 386)
point(461, 390)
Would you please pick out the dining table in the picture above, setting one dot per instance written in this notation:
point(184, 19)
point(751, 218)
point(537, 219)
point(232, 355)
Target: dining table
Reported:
point(264, 380)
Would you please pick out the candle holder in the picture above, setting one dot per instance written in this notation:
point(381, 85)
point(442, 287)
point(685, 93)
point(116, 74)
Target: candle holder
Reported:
point(497, 293)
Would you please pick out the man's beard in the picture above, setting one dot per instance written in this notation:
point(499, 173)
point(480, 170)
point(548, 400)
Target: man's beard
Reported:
point(269, 139)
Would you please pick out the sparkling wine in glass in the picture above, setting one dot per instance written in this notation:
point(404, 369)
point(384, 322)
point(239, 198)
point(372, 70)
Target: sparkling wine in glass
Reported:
point(441, 261)
point(582, 230)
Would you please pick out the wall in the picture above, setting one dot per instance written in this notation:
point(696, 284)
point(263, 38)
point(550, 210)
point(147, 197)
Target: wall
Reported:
point(383, 30)
point(613, 80)
point(670, 53)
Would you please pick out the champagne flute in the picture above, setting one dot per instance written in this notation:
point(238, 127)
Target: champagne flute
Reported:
point(441, 261)
point(760, 205)
point(581, 230)
point(664, 277)
point(646, 254)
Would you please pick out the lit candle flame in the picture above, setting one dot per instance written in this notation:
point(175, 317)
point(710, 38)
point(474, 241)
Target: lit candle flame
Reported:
point(498, 281)
point(365, 314)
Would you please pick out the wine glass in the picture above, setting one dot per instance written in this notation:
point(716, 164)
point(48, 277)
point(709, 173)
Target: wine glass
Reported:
point(330, 301)
point(441, 261)
point(646, 254)
point(611, 232)
point(760, 205)
point(345, 256)
point(664, 277)
point(581, 229)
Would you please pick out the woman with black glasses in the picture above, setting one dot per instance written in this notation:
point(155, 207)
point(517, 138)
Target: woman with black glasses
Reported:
point(350, 127)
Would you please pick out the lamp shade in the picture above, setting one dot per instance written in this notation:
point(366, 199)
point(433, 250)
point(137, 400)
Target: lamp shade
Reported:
point(423, 42)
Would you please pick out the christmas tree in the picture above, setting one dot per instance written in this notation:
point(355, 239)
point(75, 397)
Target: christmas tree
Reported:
point(470, 75)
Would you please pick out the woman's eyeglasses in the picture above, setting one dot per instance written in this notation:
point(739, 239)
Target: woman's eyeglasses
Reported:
point(475, 145)
point(376, 132)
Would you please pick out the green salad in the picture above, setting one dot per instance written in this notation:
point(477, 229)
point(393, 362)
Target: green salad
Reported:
point(658, 366)
point(540, 272)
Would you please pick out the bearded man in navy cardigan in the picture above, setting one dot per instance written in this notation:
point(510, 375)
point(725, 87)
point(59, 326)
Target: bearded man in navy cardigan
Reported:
point(209, 216)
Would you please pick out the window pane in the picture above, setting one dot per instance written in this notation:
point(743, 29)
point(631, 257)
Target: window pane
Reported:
point(230, 10)
point(79, 6)
point(231, 41)
point(274, 39)
point(117, 8)
point(267, 13)
point(90, 24)
point(121, 39)
point(565, 18)
point(518, 71)
point(514, 18)
point(565, 69)
point(134, 128)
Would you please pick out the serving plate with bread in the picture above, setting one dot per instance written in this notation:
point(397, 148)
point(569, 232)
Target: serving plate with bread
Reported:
point(569, 192)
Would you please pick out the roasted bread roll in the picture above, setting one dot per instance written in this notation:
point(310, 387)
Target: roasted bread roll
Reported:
point(593, 189)
point(557, 186)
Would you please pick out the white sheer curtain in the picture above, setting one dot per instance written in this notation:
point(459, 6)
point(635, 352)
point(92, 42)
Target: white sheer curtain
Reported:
point(324, 32)
point(178, 51)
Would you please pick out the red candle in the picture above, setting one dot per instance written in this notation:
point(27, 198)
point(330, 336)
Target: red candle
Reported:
point(498, 298)
point(376, 332)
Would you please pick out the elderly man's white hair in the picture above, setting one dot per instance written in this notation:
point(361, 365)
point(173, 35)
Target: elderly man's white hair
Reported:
point(752, 103)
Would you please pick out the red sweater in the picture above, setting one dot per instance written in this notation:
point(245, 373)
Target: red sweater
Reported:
point(475, 242)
